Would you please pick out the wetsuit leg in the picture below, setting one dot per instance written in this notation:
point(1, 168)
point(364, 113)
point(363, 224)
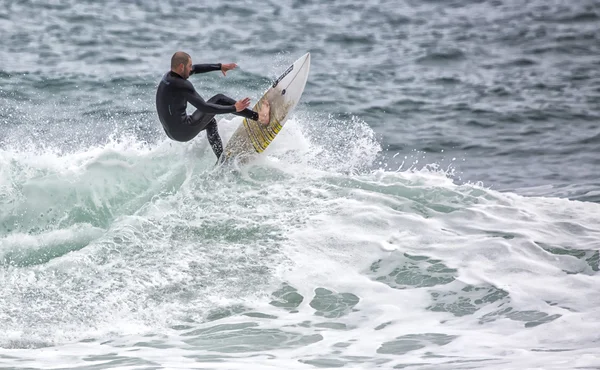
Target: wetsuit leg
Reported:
point(212, 134)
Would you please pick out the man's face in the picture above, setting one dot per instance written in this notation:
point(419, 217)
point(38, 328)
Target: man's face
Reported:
point(187, 69)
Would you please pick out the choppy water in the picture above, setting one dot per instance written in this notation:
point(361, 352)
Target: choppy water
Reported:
point(432, 203)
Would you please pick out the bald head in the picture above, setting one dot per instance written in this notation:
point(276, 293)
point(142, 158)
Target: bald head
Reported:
point(181, 63)
point(179, 58)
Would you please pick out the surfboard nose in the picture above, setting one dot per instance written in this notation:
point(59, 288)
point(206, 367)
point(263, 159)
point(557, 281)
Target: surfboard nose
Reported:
point(303, 59)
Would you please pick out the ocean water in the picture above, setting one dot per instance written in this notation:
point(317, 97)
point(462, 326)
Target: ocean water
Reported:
point(431, 204)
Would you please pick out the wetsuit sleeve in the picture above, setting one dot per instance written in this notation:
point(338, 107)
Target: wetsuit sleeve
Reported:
point(203, 68)
point(196, 100)
point(248, 114)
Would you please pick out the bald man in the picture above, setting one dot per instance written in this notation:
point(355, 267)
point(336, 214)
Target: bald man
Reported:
point(175, 91)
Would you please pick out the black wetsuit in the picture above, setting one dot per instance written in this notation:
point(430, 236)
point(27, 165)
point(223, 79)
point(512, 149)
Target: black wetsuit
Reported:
point(172, 96)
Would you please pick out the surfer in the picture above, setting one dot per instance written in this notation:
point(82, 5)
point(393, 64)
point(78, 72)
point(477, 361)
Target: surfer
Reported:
point(175, 91)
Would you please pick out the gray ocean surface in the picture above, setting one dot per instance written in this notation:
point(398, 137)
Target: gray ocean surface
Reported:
point(432, 203)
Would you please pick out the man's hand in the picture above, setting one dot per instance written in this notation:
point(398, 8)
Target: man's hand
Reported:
point(242, 104)
point(227, 67)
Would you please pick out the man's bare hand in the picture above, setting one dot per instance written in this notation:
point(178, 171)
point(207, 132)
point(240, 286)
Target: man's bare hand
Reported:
point(242, 104)
point(227, 67)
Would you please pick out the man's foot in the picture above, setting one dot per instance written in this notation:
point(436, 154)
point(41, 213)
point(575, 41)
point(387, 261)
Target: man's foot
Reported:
point(264, 116)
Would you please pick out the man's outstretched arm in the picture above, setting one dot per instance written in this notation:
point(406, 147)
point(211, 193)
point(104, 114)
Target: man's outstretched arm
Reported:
point(203, 68)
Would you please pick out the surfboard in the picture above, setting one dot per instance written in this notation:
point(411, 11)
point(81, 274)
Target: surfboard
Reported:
point(252, 137)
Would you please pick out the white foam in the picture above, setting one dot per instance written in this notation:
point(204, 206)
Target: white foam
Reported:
point(179, 240)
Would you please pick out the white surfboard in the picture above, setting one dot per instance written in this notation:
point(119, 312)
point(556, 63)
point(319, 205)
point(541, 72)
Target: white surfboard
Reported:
point(252, 137)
